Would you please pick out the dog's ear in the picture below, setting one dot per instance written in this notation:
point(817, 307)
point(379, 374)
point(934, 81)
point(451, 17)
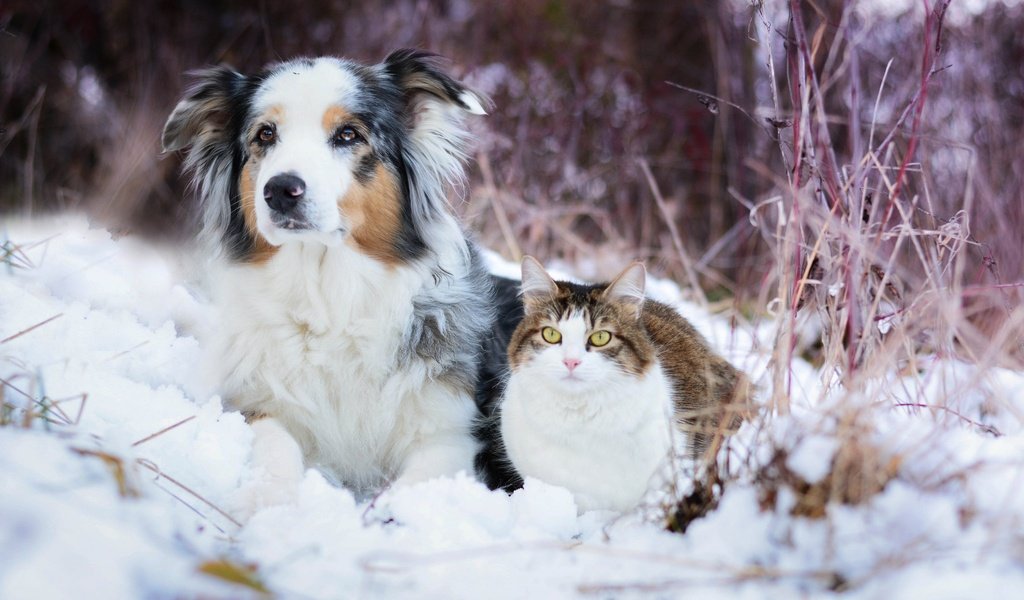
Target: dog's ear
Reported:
point(205, 111)
point(421, 78)
point(207, 124)
point(434, 109)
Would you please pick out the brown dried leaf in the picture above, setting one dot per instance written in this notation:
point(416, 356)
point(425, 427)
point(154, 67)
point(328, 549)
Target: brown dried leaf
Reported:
point(125, 483)
point(245, 574)
point(709, 103)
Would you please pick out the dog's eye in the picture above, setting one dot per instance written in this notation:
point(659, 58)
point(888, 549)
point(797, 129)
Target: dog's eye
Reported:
point(345, 136)
point(266, 135)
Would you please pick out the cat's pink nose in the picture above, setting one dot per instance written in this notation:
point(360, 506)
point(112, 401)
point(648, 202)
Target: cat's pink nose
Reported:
point(571, 363)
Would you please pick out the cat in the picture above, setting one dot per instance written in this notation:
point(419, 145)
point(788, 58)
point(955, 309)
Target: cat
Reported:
point(601, 380)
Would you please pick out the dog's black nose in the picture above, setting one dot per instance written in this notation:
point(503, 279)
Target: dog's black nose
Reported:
point(283, 192)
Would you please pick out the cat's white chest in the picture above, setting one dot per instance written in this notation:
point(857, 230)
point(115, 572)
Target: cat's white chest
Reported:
point(602, 446)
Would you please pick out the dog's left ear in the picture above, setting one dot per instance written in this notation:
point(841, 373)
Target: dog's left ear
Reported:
point(421, 78)
point(438, 142)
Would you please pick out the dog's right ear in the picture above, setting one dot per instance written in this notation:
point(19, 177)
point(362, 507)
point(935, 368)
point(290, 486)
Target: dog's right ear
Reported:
point(205, 111)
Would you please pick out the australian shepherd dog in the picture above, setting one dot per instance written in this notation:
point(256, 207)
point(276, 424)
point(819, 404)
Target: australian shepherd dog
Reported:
point(352, 307)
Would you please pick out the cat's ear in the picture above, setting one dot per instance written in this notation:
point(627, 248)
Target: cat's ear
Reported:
point(538, 286)
point(627, 289)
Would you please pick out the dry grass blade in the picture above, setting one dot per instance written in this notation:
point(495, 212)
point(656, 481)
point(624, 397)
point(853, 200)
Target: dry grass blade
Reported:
point(81, 408)
point(829, 578)
point(117, 355)
point(496, 204)
point(705, 98)
point(162, 431)
point(48, 408)
point(32, 328)
point(989, 429)
point(677, 241)
point(14, 256)
point(161, 475)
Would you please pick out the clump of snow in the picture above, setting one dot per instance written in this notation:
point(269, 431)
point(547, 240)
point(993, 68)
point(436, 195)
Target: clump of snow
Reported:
point(119, 483)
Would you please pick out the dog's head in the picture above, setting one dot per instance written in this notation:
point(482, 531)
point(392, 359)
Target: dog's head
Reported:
point(325, 151)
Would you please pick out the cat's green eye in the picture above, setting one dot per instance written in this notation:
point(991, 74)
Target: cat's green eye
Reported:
point(551, 335)
point(600, 338)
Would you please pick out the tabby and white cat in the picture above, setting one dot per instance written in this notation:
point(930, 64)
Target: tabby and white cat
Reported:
point(600, 380)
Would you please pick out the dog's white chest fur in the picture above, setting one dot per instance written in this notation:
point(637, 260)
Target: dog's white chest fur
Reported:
point(318, 338)
point(603, 446)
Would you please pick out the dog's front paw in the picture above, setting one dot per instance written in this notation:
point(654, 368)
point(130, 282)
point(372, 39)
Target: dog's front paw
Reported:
point(275, 471)
point(437, 456)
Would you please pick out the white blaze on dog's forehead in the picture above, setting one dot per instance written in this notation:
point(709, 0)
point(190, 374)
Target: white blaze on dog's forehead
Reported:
point(300, 94)
point(472, 103)
point(308, 88)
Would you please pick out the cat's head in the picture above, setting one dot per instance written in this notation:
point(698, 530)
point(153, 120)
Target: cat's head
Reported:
point(581, 337)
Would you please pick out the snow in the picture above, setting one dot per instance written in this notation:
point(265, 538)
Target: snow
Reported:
point(92, 500)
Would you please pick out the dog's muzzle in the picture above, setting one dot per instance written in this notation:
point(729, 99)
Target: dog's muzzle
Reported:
point(283, 193)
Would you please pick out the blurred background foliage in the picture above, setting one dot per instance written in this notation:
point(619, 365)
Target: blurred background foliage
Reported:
point(587, 133)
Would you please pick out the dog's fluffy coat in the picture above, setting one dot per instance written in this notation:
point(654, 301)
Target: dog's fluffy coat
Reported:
point(355, 318)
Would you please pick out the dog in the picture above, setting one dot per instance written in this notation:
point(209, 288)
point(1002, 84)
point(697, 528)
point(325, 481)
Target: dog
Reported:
point(352, 307)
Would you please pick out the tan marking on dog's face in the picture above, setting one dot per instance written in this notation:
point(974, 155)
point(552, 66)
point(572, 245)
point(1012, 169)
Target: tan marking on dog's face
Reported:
point(273, 116)
point(334, 117)
point(374, 213)
point(262, 250)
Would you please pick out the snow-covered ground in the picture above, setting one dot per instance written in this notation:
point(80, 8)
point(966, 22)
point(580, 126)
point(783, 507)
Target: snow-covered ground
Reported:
point(117, 487)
